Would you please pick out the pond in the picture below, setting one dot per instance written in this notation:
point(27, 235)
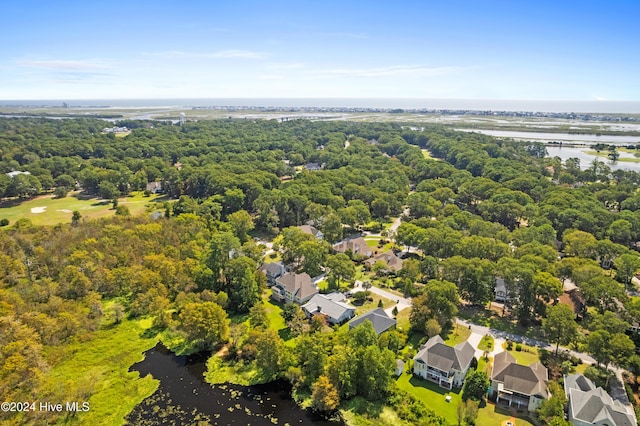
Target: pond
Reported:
point(586, 159)
point(184, 398)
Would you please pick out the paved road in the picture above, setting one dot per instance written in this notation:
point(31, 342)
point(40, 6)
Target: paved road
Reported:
point(401, 302)
point(396, 223)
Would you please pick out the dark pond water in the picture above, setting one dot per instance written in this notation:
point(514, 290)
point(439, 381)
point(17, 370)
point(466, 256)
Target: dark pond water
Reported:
point(184, 398)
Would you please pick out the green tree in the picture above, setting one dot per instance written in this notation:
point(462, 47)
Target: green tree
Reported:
point(108, 190)
point(324, 395)
point(75, 217)
point(332, 228)
point(439, 301)
point(626, 267)
point(241, 285)
point(258, 317)
point(554, 406)
point(340, 268)
point(559, 325)
point(475, 386)
point(205, 323)
point(270, 354)
point(432, 327)
point(222, 247)
point(313, 256)
point(241, 223)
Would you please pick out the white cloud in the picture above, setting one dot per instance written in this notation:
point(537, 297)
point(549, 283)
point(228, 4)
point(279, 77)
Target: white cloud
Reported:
point(221, 54)
point(397, 70)
point(63, 64)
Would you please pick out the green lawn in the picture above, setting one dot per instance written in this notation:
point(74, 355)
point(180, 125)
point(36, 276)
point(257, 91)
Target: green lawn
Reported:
point(96, 371)
point(367, 306)
point(432, 395)
point(427, 154)
point(487, 343)
point(528, 354)
point(403, 319)
point(492, 415)
point(457, 334)
point(46, 210)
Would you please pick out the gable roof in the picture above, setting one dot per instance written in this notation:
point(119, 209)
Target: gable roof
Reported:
point(378, 317)
point(591, 405)
point(273, 268)
point(308, 229)
point(356, 245)
point(527, 380)
point(297, 284)
point(435, 353)
point(392, 261)
point(326, 305)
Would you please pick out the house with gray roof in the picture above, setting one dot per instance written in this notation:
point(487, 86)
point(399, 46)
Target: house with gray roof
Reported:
point(312, 230)
point(333, 306)
point(378, 317)
point(518, 385)
point(273, 271)
point(500, 291)
point(293, 288)
point(442, 364)
point(357, 246)
point(591, 405)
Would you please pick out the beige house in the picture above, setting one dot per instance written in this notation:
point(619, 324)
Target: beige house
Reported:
point(393, 263)
point(293, 288)
point(518, 385)
point(357, 246)
point(442, 364)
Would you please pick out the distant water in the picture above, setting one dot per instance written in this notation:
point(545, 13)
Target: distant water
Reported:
point(609, 107)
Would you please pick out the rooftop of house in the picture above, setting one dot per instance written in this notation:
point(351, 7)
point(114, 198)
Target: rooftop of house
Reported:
point(297, 284)
point(308, 229)
point(527, 380)
point(592, 404)
point(437, 354)
point(378, 317)
point(357, 244)
point(273, 268)
point(392, 261)
point(331, 305)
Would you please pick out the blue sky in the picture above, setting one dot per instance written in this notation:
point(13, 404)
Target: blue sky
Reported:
point(561, 50)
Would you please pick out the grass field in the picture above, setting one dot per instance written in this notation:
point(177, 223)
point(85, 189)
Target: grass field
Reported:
point(368, 306)
point(528, 354)
point(96, 371)
point(458, 334)
point(433, 396)
point(46, 210)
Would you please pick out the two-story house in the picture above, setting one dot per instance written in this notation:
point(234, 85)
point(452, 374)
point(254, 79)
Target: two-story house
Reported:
point(442, 364)
point(590, 405)
point(293, 288)
point(273, 271)
point(518, 385)
point(357, 246)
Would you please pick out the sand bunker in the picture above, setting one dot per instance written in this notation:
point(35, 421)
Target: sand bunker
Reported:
point(64, 211)
point(38, 209)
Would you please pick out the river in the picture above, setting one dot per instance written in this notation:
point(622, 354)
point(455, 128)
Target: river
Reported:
point(559, 137)
point(184, 398)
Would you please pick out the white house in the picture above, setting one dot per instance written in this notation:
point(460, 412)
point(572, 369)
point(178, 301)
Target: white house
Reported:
point(589, 405)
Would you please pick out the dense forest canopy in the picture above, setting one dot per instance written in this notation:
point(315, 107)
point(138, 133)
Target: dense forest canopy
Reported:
point(483, 208)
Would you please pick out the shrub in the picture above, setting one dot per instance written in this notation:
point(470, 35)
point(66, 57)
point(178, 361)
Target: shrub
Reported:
point(4, 222)
point(519, 347)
